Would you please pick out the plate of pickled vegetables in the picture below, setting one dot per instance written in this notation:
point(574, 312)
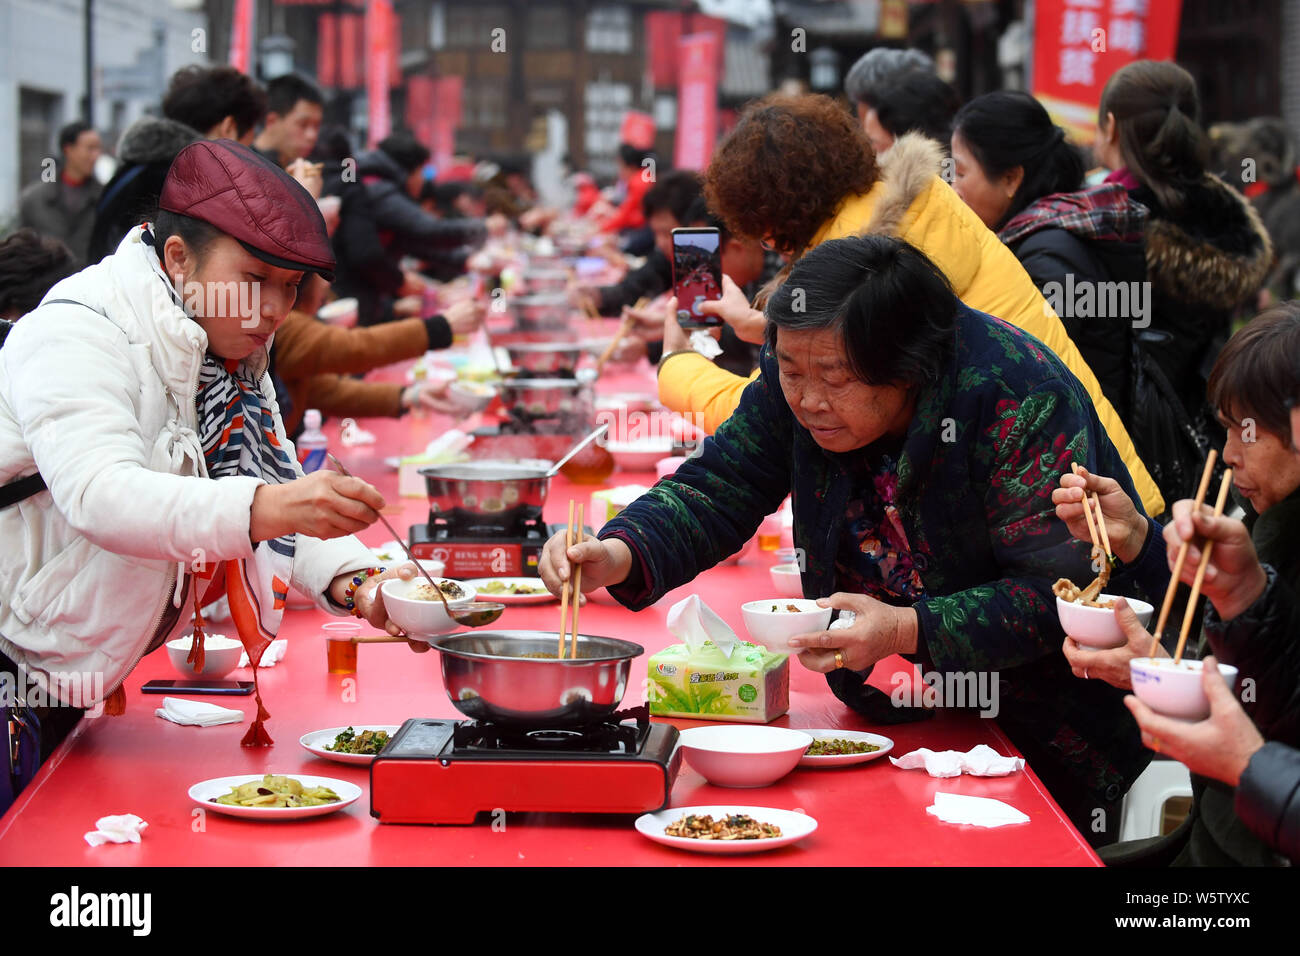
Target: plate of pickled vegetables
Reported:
point(841, 748)
point(512, 590)
point(274, 796)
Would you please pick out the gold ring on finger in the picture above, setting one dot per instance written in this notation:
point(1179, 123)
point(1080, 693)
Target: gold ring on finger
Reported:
point(839, 659)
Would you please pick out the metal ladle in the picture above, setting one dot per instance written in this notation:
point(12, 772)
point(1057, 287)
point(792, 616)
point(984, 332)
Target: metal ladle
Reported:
point(480, 614)
point(596, 433)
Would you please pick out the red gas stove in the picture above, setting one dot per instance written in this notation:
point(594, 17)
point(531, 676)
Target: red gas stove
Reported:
point(470, 552)
point(449, 771)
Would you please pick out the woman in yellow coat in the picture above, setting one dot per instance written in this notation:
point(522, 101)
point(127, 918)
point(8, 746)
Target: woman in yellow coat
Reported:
point(797, 171)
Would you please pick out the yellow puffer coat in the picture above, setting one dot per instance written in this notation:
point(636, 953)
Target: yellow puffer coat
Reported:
point(912, 202)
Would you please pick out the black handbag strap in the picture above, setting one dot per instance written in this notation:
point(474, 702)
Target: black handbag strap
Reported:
point(20, 489)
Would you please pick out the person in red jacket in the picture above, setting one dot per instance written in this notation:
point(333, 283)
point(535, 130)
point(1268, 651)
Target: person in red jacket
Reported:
point(637, 180)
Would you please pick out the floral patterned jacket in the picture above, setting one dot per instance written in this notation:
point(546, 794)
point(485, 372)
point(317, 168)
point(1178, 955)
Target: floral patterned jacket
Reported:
point(985, 449)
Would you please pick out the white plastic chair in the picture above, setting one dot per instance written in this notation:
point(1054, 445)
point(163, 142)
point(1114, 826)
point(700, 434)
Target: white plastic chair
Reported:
point(1144, 805)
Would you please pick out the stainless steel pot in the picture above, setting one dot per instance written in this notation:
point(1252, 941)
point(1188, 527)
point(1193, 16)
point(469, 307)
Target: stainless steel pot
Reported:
point(487, 678)
point(542, 311)
point(545, 358)
point(546, 280)
point(534, 398)
point(487, 494)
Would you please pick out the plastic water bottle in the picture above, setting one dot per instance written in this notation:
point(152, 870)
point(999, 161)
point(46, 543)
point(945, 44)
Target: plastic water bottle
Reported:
point(312, 444)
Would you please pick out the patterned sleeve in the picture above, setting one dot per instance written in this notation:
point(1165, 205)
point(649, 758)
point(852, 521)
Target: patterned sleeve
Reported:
point(713, 504)
point(1024, 449)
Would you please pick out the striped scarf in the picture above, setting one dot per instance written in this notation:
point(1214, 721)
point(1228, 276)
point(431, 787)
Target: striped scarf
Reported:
point(236, 430)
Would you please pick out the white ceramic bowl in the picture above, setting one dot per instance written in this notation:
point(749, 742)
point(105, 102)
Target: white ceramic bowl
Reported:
point(471, 396)
point(642, 454)
point(773, 629)
point(788, 580)
point(1174, 691)
point(1097, 627)
point(420, 618)
point(744, 756)
point(220, 656)
point(668, 466)
point(339, 312)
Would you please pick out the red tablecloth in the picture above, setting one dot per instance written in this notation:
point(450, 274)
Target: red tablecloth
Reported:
point(138, 763)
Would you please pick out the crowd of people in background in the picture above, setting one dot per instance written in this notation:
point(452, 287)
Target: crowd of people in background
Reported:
point(1011, 219)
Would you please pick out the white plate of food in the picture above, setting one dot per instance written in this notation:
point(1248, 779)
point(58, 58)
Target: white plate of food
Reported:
point(744, 821)
point(308, 786)
point(359, 742)
point(847, 747)
point(512, 590)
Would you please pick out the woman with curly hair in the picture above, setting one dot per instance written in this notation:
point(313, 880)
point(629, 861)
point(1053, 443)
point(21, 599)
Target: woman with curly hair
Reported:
point(797, 172)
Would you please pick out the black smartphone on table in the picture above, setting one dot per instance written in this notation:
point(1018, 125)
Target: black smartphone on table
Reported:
point(240, 688)
point(697, 275)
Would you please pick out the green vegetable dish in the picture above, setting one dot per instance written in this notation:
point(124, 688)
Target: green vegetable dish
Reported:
point(366, 742)
point(838, 747)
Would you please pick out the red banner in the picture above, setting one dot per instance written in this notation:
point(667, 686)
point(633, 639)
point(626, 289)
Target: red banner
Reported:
point(664, 32)
point(446, 118)
point(697, 101)
point(241, 36)
point(379, 66)
point(1079, 44)
point(638, 130)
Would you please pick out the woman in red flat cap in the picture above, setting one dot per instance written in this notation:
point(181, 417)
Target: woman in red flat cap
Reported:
point(134, 385)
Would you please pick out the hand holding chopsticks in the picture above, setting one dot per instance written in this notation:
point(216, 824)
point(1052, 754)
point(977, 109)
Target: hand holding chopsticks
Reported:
point(1190, 613)
point(1167, 605)
point(572, 587)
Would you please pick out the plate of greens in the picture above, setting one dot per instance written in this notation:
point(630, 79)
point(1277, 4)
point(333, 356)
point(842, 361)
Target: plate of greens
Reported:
point(356, 744)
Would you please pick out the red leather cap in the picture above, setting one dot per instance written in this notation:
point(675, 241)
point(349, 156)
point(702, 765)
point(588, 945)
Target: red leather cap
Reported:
point(248, 197)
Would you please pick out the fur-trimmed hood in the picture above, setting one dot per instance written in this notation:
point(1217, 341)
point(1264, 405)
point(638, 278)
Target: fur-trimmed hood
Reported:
point(154, 139)
point(1215, 252)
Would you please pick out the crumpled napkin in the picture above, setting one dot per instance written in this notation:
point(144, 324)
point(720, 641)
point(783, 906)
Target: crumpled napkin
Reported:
point(976, 811)
point(693, 622)
point(123, 828)
point(271, 656)
point(705, 344)
point(197, 713)
point(979, 761)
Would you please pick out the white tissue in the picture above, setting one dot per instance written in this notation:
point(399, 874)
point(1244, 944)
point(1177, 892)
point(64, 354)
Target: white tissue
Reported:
point(271, 656)
point(979, 761)
point(705, 344)
point(122, 828)
point(975, 811)
point(693, 622)
point(196, 713)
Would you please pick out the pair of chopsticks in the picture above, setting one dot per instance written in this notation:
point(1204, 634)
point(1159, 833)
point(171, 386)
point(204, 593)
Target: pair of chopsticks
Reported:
point(624, 328)
point(573, 534)
point(1100, 540)
point(1165, 608)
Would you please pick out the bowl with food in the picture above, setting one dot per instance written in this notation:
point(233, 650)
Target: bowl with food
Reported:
point(471, 396)
point(1174, 690)
point(416, 608)
point(743, 756)
point(220, 656)
point(772, 622)
point(339, 312)
point(1092, 622)
point(787, 579)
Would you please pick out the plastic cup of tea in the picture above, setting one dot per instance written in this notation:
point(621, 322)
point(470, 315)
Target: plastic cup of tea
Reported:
point(340, 648)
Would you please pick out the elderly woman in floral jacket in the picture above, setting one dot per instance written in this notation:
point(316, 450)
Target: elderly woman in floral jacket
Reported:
point(922, 441)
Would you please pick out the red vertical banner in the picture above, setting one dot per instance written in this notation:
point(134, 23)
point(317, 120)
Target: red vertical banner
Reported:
point(1079, 44)
point(663, 31)
point(447, 94)
point(697, 104)
point(379, 57)
point(327, 45)
point(350, 42)
point(241, 36)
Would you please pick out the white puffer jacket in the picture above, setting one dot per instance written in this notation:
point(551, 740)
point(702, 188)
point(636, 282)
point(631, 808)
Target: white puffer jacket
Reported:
point(103, 406)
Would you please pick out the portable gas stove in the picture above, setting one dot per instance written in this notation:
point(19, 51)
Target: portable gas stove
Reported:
point(469, 551)
point(449, 771)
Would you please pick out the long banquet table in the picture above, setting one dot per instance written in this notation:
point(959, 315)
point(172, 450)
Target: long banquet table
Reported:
point(871, 814)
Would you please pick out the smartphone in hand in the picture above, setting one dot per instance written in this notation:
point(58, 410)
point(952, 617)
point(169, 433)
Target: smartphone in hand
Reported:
point(697, 275)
